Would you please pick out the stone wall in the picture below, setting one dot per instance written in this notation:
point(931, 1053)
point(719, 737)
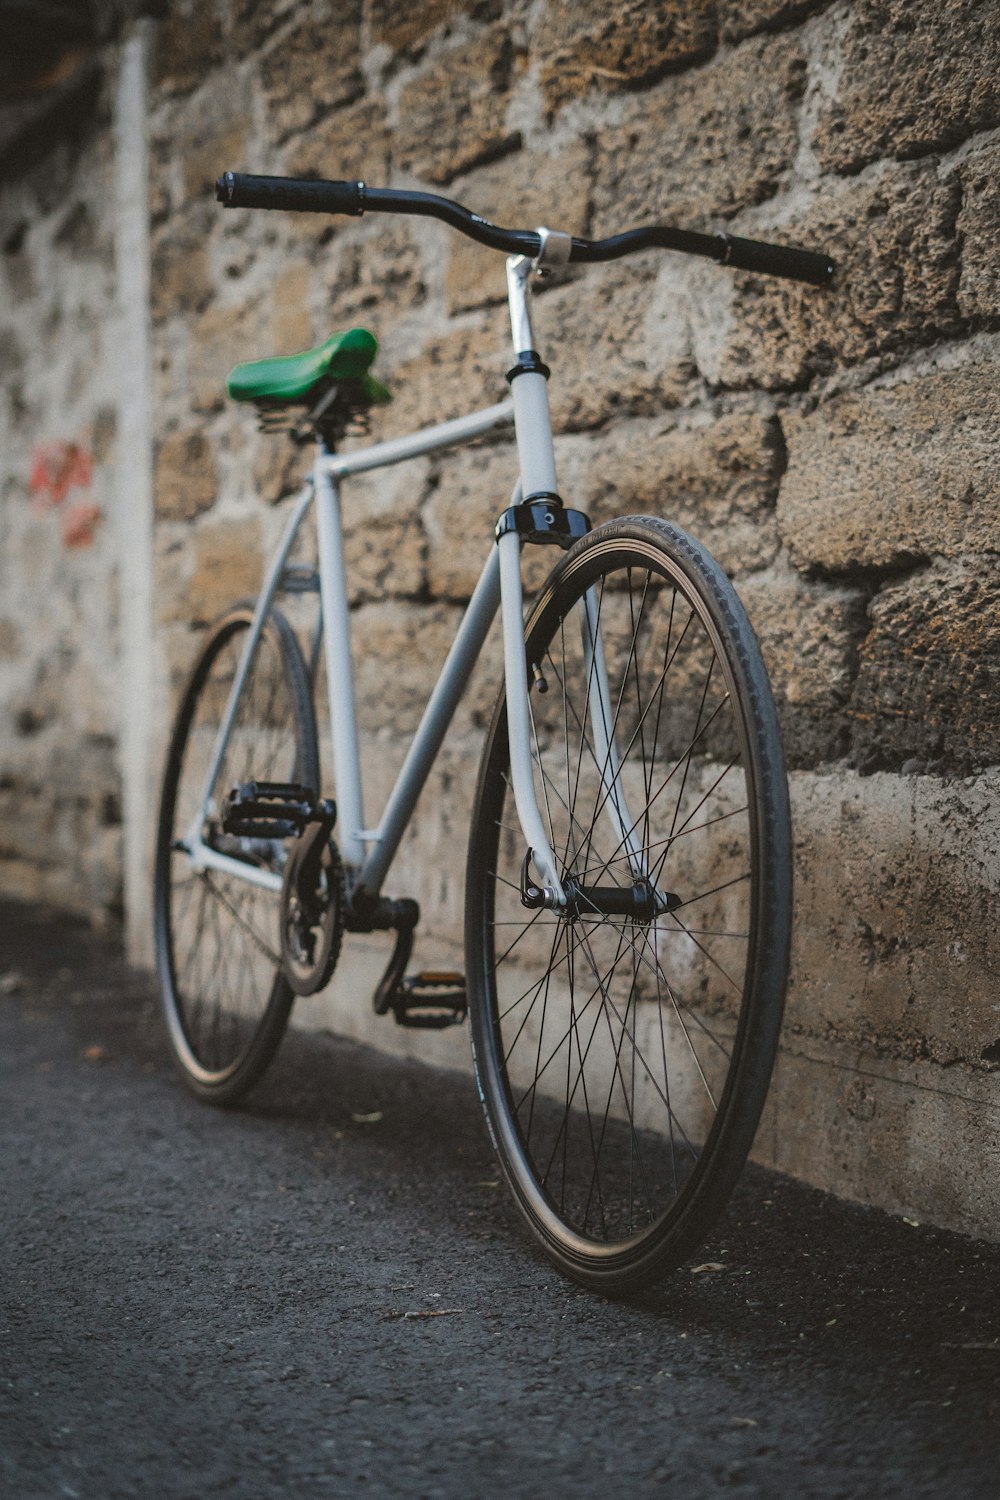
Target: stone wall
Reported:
point(833, 449)
point(60, 779)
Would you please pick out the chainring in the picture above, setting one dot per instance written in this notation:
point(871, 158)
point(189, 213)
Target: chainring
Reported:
point(312, 922)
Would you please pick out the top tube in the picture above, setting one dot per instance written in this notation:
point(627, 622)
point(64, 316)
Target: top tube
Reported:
point(303, 195)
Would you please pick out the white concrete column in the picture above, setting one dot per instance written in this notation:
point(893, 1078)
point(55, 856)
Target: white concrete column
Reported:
point(134, 487)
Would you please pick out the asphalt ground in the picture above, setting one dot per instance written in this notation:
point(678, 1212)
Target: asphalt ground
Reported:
point(201, 1303)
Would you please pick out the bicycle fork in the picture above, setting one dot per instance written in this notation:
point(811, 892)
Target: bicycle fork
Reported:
point(519, 730)
point(536, 457)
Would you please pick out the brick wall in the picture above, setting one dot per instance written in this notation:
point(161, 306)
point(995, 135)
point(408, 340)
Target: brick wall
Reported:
point(834, 450)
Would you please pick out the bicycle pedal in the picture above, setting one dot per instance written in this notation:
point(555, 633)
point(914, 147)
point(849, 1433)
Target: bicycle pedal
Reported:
point(269, 809)
point(432, 999)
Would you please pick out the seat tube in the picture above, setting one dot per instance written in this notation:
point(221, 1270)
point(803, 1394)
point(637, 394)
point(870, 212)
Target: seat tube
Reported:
point(339, 668)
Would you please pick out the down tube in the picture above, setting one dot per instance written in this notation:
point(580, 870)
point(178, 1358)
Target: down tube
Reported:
point(437, 716)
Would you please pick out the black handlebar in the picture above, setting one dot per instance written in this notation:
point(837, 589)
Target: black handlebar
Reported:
point(243, 190)
point(777, 260)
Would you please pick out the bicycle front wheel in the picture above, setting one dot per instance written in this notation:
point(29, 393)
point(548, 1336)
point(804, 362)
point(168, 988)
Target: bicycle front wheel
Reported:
point(623, 1059)
point(218, 934)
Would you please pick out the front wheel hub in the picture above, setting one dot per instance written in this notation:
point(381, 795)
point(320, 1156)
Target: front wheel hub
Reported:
point(641, 901)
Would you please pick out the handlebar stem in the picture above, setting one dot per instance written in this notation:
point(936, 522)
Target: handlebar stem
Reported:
point(519, 269)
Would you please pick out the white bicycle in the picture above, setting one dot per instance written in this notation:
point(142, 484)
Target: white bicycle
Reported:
point(628, 898)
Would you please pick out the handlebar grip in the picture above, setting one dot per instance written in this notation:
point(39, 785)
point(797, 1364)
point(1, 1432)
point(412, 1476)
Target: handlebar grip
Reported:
point(777, 260)
point(301, 195)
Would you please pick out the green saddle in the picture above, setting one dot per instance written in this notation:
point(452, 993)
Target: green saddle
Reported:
point(291, 377)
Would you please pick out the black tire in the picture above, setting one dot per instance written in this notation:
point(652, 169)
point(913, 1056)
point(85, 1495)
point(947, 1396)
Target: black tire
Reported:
point(218, 938)
point(623, 1063)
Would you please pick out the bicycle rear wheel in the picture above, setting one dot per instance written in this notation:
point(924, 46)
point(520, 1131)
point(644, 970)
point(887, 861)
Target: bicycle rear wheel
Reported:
point(218, 936)
point(623, 1060)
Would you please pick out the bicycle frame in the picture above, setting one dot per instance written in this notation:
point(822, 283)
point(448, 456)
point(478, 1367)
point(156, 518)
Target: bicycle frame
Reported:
point(368, 852)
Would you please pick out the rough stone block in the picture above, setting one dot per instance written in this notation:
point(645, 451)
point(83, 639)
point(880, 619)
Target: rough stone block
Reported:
point(979, 231)
point(928, 686)
point(227, 567)
point(743, 18)
point(181, 278)
point(453, 374)
point(893, 238)
point(384, 541)
point(372, 274)
point(915, 77)
point(220, 338)
point(405, 28)
point(474, 489)
point(454, 116)
point(204, 164)
point(278, 465)
point(208, 136)
point(704, 144)
point(77, 232)
point(626, 357)
point(313, 67)
point(353, 142)
point(594, 45)
point(718, 481)
point(521, 191)
point(623, 353)
point(185, 478)
point(189, 44)
point(404, 648)
point(17, 264)
point(103, 434)
point(10, 640)
point(163, 174)
point(809, 636)
point(252, 23)
point(291, 323)
point(170, 574)
point(897, 876)
point(870, 1127)
point(12, 352)
point(881, 477)
point(58, 846)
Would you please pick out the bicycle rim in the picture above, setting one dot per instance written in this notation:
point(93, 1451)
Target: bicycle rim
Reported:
point(225, 999)
point(623, 1060)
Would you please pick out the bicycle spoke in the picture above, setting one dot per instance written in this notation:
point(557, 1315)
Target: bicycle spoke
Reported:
point(616, 1035)
point(226, 985)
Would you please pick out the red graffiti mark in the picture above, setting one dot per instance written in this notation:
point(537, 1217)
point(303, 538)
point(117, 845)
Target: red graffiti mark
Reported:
point(57, 468)
point(79, 522)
